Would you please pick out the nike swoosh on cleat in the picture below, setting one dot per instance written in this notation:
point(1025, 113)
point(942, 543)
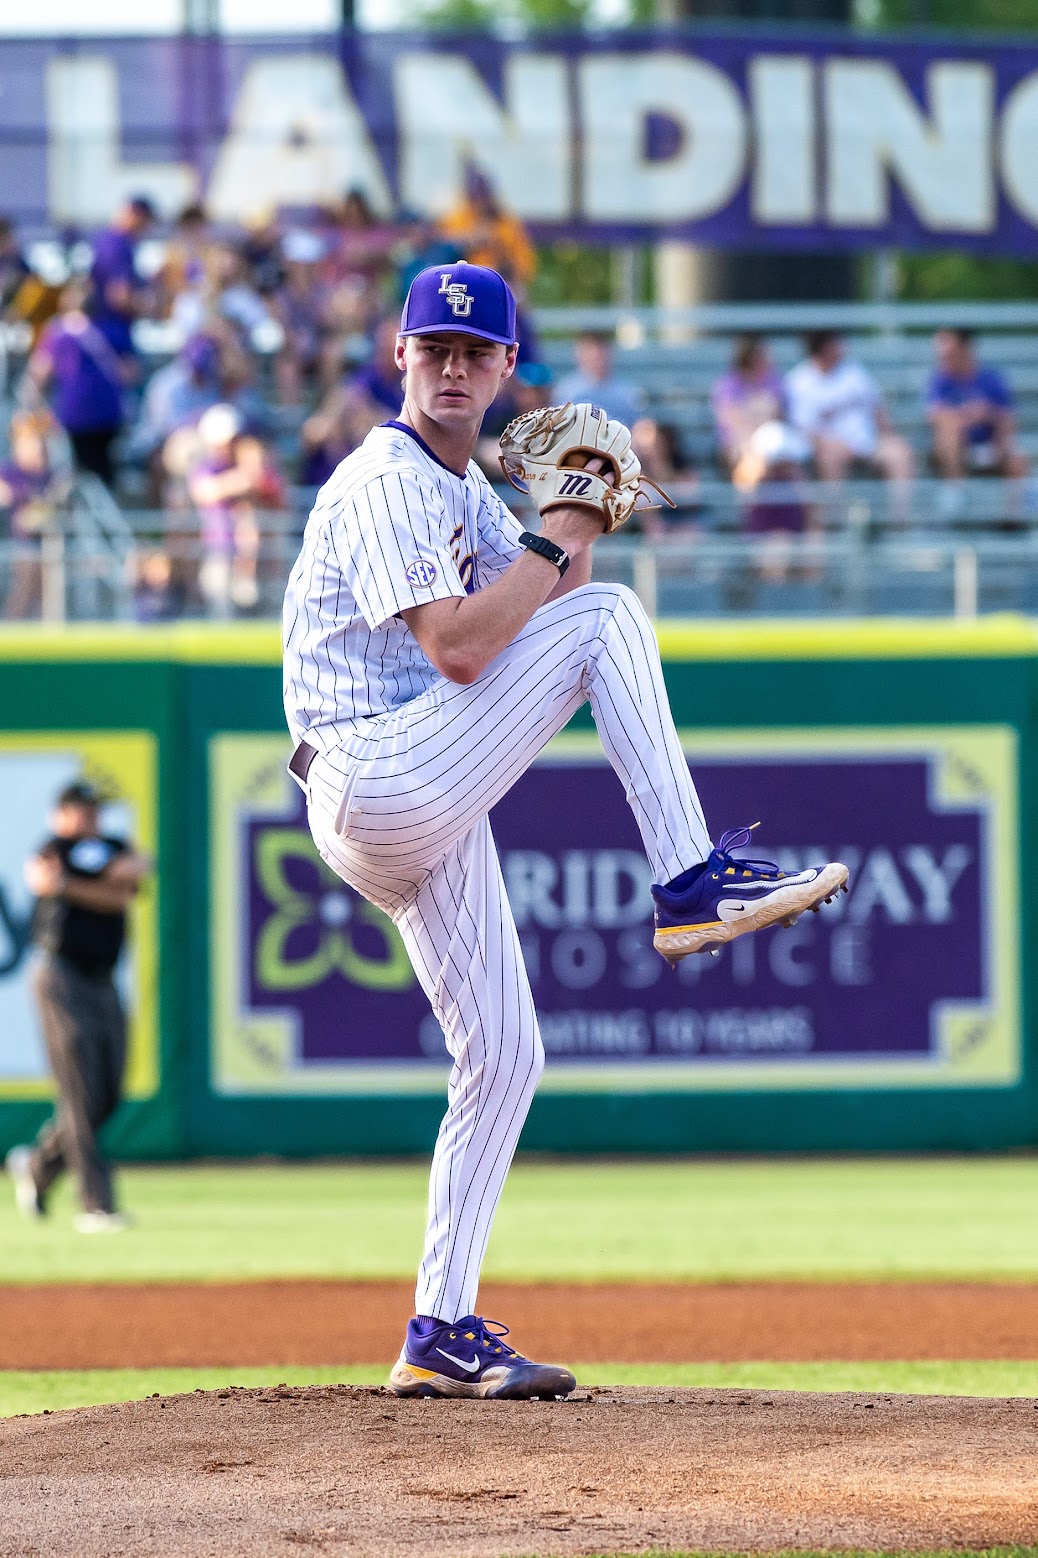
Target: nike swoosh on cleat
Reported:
point(470, 1368)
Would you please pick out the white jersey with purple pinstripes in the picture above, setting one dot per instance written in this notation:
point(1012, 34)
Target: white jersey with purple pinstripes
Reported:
point(393, 527)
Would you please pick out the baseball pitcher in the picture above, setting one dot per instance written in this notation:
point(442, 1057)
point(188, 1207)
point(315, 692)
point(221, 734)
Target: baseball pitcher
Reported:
point(432, 648)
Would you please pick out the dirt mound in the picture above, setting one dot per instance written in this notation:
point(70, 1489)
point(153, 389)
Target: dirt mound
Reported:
point(358, 1473)
point(120, 1326)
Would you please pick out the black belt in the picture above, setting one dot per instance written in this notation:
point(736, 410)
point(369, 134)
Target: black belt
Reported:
point(302, 757)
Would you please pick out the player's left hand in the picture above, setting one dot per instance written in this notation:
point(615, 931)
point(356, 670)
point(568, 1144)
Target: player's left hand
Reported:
point(549, 453)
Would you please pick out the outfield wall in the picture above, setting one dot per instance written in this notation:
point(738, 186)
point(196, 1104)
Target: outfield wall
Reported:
point(275, 1011)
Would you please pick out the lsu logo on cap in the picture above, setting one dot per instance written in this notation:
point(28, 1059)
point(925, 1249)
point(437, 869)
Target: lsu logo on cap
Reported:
point(457, 295)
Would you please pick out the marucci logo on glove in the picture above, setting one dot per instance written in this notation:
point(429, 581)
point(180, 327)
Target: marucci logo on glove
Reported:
point(546, 454)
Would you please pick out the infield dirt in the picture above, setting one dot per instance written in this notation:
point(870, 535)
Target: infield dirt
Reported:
point(358, 1473)
point(101, 1326)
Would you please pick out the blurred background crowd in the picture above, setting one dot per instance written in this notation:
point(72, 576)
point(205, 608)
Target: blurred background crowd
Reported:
point(213, 376)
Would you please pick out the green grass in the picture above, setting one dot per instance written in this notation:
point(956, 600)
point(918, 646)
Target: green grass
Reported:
point(632, 1220)
point(55, 1390)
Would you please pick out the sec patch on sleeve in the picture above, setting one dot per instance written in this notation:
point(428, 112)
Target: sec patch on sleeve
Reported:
point(420, 573)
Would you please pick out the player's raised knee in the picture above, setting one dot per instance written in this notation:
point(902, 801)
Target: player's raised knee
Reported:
point(617, 599)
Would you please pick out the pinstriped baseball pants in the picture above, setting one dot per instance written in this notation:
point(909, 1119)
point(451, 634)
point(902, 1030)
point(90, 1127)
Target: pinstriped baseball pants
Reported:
point(399, 811)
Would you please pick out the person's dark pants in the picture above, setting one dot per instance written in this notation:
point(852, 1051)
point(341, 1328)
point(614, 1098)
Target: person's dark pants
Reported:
point(84, 1028)
point(93, 452)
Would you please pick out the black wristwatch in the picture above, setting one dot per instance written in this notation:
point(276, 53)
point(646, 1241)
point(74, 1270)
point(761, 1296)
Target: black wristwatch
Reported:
point(546, 549)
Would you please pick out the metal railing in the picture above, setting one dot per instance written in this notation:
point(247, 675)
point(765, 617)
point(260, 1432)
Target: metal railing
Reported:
point(886, 318)
point(865, 549)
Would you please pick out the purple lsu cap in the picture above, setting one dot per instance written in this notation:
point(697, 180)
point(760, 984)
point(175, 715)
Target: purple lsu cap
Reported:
point(469, 299)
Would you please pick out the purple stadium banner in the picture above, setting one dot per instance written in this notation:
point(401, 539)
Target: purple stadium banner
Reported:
point(909, 979)
point(771, 140)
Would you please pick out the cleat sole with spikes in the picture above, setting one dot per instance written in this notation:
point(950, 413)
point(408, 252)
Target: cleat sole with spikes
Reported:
point(523, 1381)
point(781, 907)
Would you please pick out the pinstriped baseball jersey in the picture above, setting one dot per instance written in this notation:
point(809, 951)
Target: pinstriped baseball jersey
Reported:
point(409, 764)
point(394, 527)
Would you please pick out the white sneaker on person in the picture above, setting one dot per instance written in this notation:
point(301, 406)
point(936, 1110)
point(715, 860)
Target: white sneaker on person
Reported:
point(27, 1198)
point(101, 1222)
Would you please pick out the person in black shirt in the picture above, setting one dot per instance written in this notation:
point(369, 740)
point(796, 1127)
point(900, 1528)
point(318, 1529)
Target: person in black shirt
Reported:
point(84, 883)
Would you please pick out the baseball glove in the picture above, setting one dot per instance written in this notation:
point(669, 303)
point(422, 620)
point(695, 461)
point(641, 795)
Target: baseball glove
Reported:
point(545, 453)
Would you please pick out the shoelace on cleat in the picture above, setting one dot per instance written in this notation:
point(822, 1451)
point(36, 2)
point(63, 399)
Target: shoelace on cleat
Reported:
point(738, 838)
point(489, 1334)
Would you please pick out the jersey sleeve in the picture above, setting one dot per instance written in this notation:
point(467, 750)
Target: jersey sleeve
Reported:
point(498, 533)
point(392, 545)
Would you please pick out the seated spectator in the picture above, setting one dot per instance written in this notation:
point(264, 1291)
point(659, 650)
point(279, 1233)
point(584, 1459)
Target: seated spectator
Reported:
point(529, 389)
point(226, 292)
point(35, 304)
point(746, 397)
point(119, 293)
point(487, 234)
point(356, 272)
point(261, 250)
point(26, 494)
point(594, 380)
point(86, 375)
point(235, 477)
point(372, 394)
point(363, 247)
point(421, 245)
point(178, 393)
point(348, 321)
point(14, 268)
point(300, 306)
point(25, 297)
point(377, 389)
point(776, 457)
point(209, 370)
point(157, 596)
point(184, 264)
point(771, 473)
point(837, 406)
point(970, 409)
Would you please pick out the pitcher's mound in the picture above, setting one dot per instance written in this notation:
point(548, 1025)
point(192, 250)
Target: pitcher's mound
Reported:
point(357, 1472)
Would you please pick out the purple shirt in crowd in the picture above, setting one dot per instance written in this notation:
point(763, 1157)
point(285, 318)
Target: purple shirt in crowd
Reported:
point(758, 401)
point(87, 389)
point(217, 518)
point(946, 390)
point(26, 487)
point(113, 261)
point(385, 392)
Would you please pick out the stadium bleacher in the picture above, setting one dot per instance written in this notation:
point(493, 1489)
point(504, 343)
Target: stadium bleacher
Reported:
point(972, 550)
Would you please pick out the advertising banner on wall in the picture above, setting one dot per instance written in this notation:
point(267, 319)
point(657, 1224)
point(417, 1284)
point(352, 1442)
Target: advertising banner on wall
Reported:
point(912, 980)
point(34, 766)
point(782, 139)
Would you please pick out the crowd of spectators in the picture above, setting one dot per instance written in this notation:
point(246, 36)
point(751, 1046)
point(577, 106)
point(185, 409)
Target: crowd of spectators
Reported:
point(282, 340)
point(276, 357)
point(826, 419)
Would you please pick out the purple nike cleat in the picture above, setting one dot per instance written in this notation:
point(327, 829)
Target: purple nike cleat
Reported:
point(470, 1357)
point(725, 897)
